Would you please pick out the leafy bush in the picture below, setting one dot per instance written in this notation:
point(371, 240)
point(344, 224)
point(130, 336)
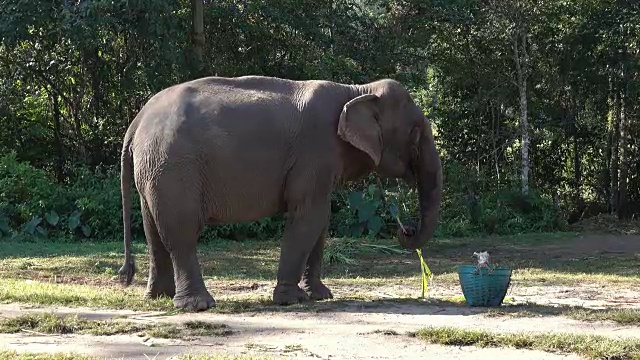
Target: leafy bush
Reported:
point(32, 203)
point(472, 207)
point(97, 196)
point(266, 228)
point(89, 206)
point(357, 213)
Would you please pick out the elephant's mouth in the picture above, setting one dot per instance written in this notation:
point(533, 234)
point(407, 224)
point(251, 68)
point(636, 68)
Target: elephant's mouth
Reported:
point(411, 175)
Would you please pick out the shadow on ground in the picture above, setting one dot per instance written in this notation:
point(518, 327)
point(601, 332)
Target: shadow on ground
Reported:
point(400, 306)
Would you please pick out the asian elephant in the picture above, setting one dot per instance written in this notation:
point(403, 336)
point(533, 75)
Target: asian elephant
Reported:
point(224, 150)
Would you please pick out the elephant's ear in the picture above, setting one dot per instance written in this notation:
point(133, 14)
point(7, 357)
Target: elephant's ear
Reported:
point(359, 127)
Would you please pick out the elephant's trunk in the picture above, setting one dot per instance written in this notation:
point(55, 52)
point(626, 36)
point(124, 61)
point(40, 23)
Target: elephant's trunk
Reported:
point(428, 171)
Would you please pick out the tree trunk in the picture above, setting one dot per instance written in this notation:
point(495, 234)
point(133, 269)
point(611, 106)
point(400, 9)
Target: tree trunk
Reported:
point(577, 169)
point(197, 12)
point(59, 164)
point(614, 138)
point(573, 111)
point(494, 131)
point(77, 125)
point(624, 153)
point(520, 57)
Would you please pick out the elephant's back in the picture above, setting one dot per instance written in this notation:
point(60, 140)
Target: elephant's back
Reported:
point(220, 140)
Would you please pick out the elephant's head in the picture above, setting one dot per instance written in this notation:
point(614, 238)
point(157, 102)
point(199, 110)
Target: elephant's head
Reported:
point(384, 122)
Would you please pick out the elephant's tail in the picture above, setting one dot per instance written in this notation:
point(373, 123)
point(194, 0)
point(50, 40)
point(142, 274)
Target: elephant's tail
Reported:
point(126, 175)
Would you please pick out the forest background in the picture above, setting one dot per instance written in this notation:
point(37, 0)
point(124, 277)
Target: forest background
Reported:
point(534, 103)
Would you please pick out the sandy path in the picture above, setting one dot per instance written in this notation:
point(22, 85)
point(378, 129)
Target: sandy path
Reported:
point(353, 332)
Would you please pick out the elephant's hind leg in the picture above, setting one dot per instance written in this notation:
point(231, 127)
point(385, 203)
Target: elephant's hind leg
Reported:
point(313, 272)
point(179, 232)
point(191, 293)
point(161, 282)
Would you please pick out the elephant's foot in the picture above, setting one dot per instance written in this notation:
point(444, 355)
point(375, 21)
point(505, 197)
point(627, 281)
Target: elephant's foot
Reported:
point(159, 286)
point(286, 294)
point(199, 302)
point(316, 289)
point(320, 291)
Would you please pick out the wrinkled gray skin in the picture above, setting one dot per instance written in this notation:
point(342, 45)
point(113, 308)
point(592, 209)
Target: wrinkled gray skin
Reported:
point(226, 150)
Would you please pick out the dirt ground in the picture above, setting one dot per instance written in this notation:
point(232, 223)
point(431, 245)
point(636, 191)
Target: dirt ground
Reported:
point(359, 329)
point(349, 333)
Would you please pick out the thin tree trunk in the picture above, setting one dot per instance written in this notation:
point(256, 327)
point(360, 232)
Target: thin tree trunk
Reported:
point(520, 57)
point(197, 12)
point(59, 164)
point(96, 82)
point(77, 124)
point(577, 167)
point(624, 151)
point(614, 138)
point(493, 140)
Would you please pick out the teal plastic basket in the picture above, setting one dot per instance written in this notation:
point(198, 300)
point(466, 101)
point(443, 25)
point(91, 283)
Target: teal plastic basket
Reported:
point(484, 287)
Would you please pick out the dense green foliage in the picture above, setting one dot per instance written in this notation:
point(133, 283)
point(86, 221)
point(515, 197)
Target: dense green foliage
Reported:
point(74, 74)
point(32, 203)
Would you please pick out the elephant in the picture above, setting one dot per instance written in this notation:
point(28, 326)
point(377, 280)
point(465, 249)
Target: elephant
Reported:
point(219, 150)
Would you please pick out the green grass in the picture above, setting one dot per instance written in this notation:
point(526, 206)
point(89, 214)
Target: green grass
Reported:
point(622, 316)
point(590, 346)
point(46, 293)
point(223, 357)
point(74, 274)
point(188, 330)
point(12, 355)
point(48, 323)
point(97, 263)
point(203, 328)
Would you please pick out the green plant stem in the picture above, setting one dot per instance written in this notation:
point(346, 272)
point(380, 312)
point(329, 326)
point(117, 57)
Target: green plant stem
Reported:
point(426, 273)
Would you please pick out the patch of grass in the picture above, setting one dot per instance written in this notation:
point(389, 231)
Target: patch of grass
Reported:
point(164, 331)
point(90, 261)
point(13, 355)
point(114, 297)
point(203, 328)
point(222, 357)
point(68, 275)
point(531, 276)
point(386, 332)
point(118, 298)
point(246, 305)
point(590, 346)
point(94, 263)
point(622, 316)
point(187, 330)
point(345, 251)
point(293, 348)
point(49, 323)
point(493, 241)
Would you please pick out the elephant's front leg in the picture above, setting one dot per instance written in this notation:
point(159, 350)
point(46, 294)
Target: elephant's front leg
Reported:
point(311, 278)
point(302, 231)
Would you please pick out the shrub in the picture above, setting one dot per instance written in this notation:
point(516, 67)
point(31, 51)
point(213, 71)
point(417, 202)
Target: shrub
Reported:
point(32, 203)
